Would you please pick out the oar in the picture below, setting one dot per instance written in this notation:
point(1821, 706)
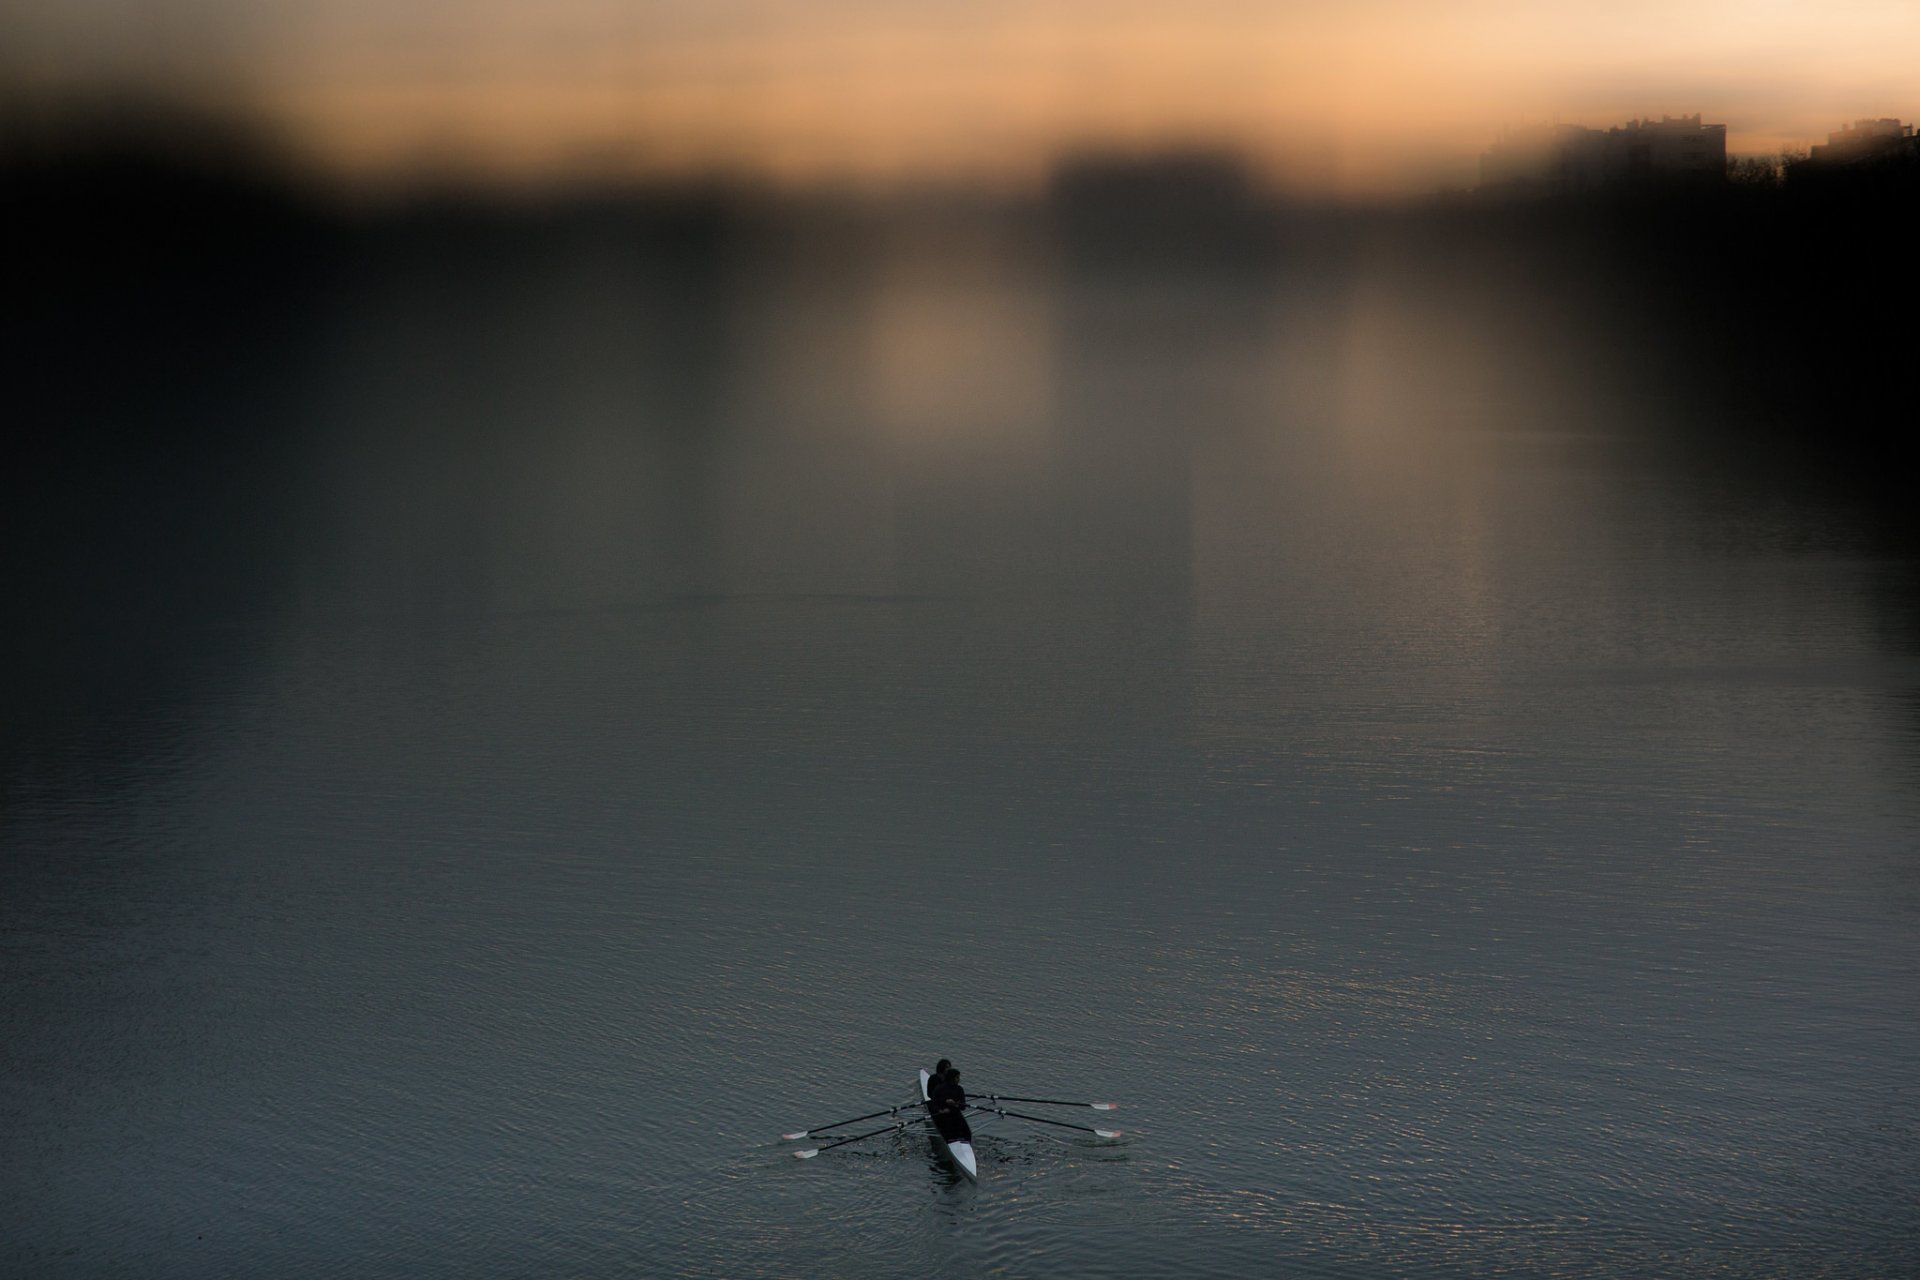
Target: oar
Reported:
point(811, 1152)
point(841, 1124)
point(1051, 1102)
point(1084, 1128)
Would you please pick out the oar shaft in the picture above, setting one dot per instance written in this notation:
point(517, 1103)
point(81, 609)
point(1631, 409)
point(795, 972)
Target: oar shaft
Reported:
point(1062, 1124)
point(1051, 1102)
point(858, 1137)
point(841, 1124)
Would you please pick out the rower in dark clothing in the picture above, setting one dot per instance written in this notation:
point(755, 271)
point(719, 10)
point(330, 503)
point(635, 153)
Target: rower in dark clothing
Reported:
point(936, 1079)
point(936, 1086)
point(947, 1102)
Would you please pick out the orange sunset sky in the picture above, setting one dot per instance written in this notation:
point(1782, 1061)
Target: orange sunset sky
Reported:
point(1356, 97)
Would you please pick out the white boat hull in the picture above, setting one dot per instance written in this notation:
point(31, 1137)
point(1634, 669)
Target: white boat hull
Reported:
point(960, 1154)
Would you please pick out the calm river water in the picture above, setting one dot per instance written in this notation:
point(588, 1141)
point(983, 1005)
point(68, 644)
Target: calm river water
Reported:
point(598, 711)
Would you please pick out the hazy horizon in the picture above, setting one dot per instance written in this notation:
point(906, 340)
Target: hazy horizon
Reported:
point(1374, 98)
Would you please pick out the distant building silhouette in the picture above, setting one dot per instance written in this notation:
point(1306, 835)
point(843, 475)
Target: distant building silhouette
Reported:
point(1866, 142)
point(1569, 159)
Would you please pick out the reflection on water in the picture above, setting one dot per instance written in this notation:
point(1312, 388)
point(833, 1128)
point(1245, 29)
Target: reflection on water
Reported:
point(582, 696)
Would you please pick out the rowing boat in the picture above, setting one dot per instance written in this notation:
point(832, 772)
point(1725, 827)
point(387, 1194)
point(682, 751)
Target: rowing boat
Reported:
point(960, 1153)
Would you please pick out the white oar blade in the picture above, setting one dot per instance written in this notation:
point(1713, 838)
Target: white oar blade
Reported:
point(808, 1154)
point(794, 1137)
point(1104, 1106)
point(1108, 1133)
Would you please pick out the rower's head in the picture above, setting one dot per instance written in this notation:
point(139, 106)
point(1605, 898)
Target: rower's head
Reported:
point(940, 1072)
point(953, 1075)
